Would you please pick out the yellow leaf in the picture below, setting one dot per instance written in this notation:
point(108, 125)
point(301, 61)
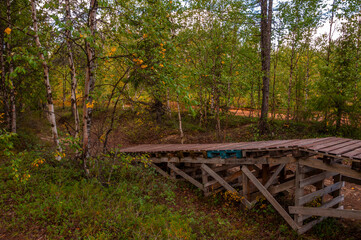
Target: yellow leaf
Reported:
point(113, 49)
point(144, 66)
point(81, 35)
point(7, 31)
point(161, 65)
point(145, 35)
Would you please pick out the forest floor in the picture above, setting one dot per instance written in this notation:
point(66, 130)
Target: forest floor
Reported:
point(56, 202)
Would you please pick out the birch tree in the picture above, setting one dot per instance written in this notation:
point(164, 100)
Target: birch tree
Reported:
point(49, 97)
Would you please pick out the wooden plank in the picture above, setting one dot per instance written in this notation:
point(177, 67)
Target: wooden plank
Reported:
point(315, 141)
point(224, 183)
point(328, 204)
point(299, 191)
point(274, 175)
point(280, 160)
point(309, 225)
point(326, 212)
point(282, 187)
point(329, 144)
point(316, 178)
point(164, 159)
point(205, 181)
point(334, 167)
point(186, 176)
point(270, 198)
point(351, 180)
point(355, 152)
point(310, 197)
point(159, 170)
point(230, 178)
point(346, 149)
point(339, 146)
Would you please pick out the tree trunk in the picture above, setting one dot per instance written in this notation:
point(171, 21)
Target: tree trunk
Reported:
point(274, 86)
point(266, 25)
point(307, 76)
point(74, 81)
point(89, 84)
point(11, 70)
point(180, 121)
point(49, 97)
point(4, 90)
point(290, 79)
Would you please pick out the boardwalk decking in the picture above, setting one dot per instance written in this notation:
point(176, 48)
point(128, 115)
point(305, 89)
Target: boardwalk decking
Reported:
point(251, 169)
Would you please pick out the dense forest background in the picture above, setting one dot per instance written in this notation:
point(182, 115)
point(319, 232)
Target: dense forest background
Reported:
point(85, 75)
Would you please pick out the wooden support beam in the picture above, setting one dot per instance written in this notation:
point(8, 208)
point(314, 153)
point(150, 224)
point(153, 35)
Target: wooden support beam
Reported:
point(274, 175)
point(309, 225)
point(326, 212)
point(229, 178)
point(224, 183)
point(335, 201)
point(351, 180)
point(159, 170)
point(205, 181)
point(280, 160)
point(316, 178)
point(333, 167)
point(186, 176)
point(299, 191)
point(270, 198)
point(282, 187)
point(310, 197)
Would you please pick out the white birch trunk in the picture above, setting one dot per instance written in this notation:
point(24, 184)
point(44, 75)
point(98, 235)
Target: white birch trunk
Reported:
point(49, 97)
point(74, 82)
point(89, 84)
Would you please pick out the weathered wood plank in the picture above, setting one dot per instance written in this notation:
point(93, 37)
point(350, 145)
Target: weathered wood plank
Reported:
point(224, 183)
point(159, 170)
point(312, 196)
point(309, 225)
point(270, 198)
point(274, 175)
point(346, 149)
point(316, 178)
point(282, 187)
point(339, 146)
point(298, 190)
point(328, 204)
point(326, 212)
point(229, 178)
point(334, 167)
point(186, 176)
point(329, 144)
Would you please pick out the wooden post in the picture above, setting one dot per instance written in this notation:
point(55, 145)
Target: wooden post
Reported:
point(335, 194)
point(205, 181)
point(299, 191)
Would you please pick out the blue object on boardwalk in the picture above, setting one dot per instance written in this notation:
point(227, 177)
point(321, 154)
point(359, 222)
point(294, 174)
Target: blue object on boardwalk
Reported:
point(224, 154)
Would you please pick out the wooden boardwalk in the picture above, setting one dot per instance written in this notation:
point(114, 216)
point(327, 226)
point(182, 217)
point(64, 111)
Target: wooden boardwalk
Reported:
point(251, 169)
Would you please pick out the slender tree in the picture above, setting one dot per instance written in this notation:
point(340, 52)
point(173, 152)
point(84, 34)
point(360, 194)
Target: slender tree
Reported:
point(49, 96)
point(266, 30)
point(89, 81)
point(72, 70)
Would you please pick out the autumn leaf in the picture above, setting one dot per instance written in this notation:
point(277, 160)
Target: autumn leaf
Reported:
point(144, 66)
point(7, 31)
